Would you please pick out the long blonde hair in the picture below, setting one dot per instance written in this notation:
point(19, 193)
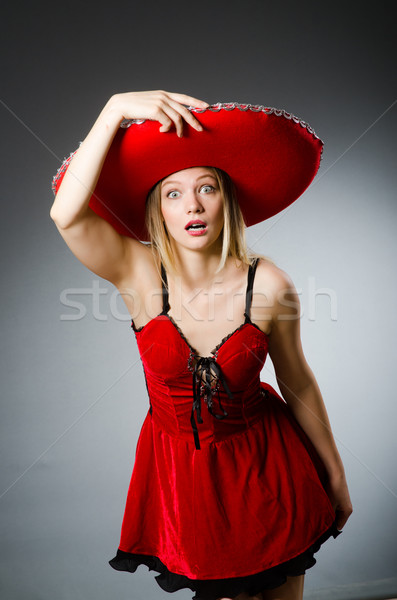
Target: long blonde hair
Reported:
point(233, 231)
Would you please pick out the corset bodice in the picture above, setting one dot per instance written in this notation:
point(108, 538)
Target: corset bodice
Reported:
point(222, 390)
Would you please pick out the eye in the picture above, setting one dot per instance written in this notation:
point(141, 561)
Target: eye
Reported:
point(207, 188)
point(172, 194)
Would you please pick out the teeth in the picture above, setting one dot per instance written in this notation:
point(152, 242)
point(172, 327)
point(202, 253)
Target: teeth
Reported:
point(196, 227)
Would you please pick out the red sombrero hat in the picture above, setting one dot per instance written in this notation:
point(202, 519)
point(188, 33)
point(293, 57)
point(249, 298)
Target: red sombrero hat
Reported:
point(271, 156)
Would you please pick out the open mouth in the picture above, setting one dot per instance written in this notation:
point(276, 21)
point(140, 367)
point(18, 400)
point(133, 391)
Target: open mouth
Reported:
point(196, 229)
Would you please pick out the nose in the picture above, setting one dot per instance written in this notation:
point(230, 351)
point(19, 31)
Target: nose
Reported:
point(193, 203)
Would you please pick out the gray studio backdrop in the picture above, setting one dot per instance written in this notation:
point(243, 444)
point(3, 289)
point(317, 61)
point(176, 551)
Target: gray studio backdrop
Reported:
point(73, 395)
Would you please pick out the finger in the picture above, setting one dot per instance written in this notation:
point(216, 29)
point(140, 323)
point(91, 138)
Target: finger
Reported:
point(169, 111)
point(166, 122)
point(175, 117)
point(178, 113)
point(188, 100)
point(187, 115)
point(165, 128)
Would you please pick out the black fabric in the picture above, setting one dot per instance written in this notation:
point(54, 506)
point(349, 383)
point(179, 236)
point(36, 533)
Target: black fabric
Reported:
point(212, 589)
point(250, 285)
point(164, 289)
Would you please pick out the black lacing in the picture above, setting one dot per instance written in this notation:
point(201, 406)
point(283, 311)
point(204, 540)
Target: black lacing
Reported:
point(206, 369)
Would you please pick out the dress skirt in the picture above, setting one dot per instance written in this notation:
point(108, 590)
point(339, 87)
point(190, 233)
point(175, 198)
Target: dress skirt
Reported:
point(212, 589)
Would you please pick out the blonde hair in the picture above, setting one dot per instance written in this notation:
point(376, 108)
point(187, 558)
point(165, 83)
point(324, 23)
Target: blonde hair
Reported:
point(233, 231)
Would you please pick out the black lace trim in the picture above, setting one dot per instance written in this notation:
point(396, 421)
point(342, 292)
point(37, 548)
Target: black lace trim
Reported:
point(138, 329)
point(229, 335)
point(212, 589)
point(193, 350)
point(215, 350)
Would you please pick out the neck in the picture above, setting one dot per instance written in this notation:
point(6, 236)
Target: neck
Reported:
point(197, 269)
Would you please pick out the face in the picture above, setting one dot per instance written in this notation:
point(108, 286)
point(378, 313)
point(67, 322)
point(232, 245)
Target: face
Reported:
point(192, 195)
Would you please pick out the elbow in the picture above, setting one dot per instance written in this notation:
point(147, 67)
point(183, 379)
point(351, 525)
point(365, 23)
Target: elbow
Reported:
point(65, 221)
point(293, 389)
point(58, 222)
point(54, 217)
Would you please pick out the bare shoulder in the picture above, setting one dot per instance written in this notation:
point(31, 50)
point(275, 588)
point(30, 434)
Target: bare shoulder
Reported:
point(274, 294)
point(272, 277)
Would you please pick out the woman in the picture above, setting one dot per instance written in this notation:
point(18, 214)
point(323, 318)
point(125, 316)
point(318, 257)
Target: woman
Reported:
point(233, 498)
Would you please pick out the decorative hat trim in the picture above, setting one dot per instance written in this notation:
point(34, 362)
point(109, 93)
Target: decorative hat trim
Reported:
point(231, 106)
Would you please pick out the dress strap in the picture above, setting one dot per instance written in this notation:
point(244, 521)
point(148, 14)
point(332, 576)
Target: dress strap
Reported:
point(164, 289)
point(248, 297)
point(250, 285)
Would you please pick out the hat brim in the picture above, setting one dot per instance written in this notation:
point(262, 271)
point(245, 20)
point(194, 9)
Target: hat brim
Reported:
point(270, 155)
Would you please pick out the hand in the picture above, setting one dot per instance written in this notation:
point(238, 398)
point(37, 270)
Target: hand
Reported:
point(339, 495)
point(166, 107)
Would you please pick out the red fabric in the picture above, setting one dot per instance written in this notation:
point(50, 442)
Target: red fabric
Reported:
point(271, 159)
point(251, 497)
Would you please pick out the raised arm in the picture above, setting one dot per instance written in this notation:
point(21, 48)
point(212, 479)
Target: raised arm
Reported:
point(90, 237)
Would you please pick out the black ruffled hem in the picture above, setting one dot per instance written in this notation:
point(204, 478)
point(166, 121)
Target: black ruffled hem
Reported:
point(212, 589)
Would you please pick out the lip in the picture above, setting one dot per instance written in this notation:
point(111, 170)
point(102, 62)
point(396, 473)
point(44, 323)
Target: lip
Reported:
point(196, 222)
point(197, 232)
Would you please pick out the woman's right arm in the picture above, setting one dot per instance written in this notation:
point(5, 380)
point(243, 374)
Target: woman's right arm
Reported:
point(90, 237)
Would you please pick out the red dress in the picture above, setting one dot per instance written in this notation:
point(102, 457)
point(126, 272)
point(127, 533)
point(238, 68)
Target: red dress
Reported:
point(227, 492)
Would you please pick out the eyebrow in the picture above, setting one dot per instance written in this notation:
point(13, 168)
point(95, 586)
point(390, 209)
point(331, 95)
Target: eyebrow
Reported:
point(201, 177)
